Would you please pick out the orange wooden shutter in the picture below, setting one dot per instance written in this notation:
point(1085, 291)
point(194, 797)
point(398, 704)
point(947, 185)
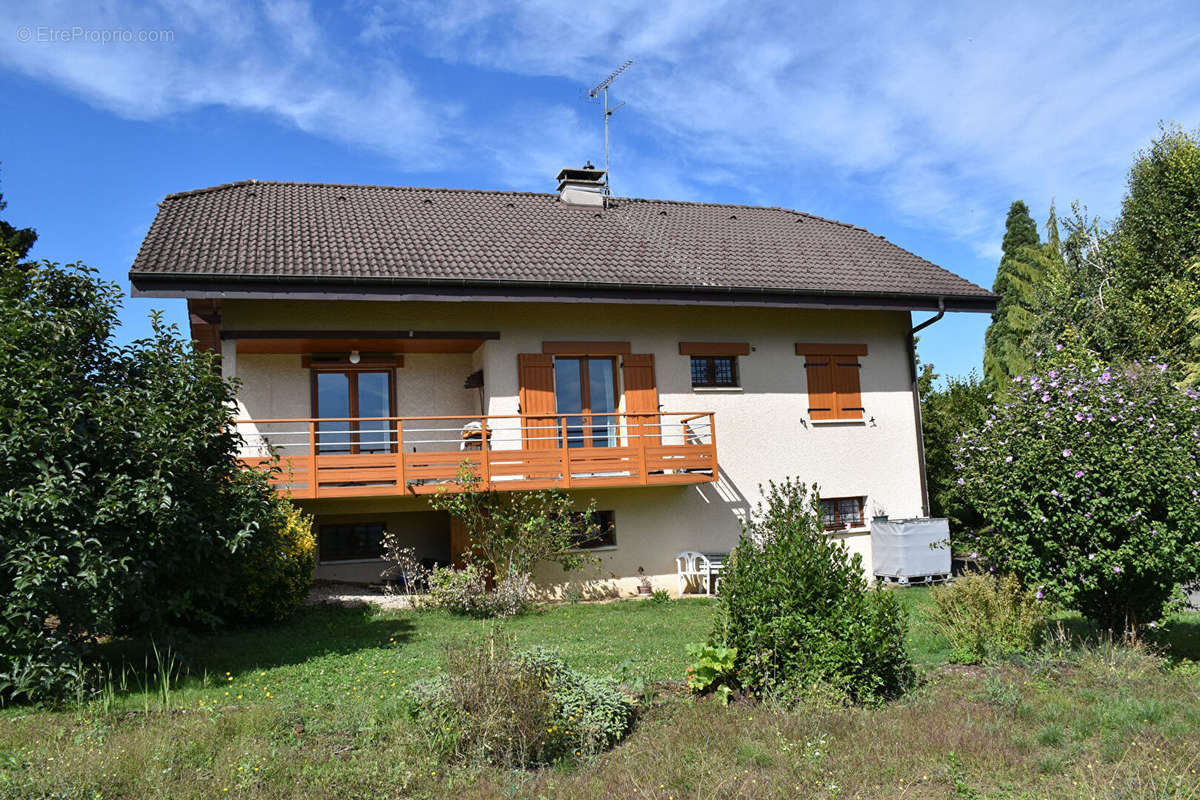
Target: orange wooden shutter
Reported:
point(641, 398)
point(536, 374)
point(833, 388)
point(822, 400)
point(848, 403)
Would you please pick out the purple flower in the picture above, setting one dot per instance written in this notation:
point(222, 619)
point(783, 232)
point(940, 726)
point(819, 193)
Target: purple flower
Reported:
point(1067, 453)
point(1117, 570)
point(1058, 347)
point(1078, 473)
point(960, 481)
point(1039, 595)
point(1046, 398)
point(1008, 459)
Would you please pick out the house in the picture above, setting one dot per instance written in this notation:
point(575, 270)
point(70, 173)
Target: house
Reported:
point(664, 358)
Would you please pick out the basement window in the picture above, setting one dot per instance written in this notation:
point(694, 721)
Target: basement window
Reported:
point(842, 513)
point(605, 535)
point(350, 541)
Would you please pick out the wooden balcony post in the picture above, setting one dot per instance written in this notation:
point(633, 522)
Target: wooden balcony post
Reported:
point(641, 447)
point(566, 456)
point(712, 442)
point(401, 486)
point(313, 478)
point(485, 473)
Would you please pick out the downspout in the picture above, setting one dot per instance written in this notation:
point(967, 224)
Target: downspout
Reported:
point(916, 396)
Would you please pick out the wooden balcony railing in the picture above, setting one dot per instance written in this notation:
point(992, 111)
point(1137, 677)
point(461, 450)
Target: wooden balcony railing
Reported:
point(355, 457)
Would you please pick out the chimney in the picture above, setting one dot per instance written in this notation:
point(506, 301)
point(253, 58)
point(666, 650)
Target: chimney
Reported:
point(581, 187)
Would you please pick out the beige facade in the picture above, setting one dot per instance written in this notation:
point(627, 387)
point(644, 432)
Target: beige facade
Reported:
point(763, 430)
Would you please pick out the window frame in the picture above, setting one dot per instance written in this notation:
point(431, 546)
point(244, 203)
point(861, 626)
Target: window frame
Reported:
point(840, 525)
point(711, 382)
point(351, 559)
point(353, 432)
point(608, 532)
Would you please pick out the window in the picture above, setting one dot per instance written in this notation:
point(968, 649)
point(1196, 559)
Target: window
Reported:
point(840, 513)
point(350, 541)
point(833, 386)
point(340, 396)
point(714, 371)
point(605, 534)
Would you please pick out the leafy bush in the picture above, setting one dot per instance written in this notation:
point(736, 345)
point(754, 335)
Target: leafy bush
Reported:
point(795, 605)
point(713, 669)
point(511, 532)
point(277, 567)
point(123, 507)
point(498, 706)
point(1089, 478)
point(985, 617)
point(465, 591)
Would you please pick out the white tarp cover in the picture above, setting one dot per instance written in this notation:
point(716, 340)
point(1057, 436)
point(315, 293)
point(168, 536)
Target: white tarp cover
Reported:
point(901, 548)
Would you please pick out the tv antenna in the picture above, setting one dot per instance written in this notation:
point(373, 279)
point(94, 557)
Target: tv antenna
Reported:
point(602, 89)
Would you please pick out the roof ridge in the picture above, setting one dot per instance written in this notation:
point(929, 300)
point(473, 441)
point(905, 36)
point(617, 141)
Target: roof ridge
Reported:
point(501, 192)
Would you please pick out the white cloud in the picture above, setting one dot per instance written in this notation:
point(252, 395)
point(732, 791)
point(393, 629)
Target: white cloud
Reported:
point(942, 117)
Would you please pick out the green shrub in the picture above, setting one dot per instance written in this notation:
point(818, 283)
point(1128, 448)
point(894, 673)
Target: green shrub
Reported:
point(277, 567)
point(124, 509)
point(1088, 477)
point(795, 605)
point(512, 532)
point(713, 669)
point(465, 591)
point(985, 617)
point(518, 709)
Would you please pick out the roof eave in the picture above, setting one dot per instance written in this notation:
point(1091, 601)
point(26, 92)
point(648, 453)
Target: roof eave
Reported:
point(191, 285)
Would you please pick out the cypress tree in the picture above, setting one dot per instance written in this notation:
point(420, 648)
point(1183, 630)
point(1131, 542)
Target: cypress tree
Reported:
point(1006, 346)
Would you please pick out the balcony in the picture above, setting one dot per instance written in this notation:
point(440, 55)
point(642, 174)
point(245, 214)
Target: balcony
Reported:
point(361, 457)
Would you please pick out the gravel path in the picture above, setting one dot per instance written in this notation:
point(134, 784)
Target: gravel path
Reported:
point(352, 594)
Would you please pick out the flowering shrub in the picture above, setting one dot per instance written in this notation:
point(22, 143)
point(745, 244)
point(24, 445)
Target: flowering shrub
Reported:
point(1088, 478)
point(464, 591)
point(277, 568)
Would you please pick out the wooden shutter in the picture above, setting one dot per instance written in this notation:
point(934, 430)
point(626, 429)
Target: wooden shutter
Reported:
point(848, 402)
point(538, 423)
point(822, 402)
point(641, 399)
point(833, 388)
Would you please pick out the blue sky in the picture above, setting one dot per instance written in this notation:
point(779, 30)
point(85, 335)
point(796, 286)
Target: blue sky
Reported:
point(919, 124)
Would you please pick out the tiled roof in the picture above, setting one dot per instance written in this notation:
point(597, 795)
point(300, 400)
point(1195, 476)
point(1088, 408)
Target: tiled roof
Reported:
point(307, 231)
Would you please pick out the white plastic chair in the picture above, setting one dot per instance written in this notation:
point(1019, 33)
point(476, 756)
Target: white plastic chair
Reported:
point(705, 566)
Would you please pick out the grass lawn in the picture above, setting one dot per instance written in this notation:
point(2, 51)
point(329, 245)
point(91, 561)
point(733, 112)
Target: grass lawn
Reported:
point(315, 708)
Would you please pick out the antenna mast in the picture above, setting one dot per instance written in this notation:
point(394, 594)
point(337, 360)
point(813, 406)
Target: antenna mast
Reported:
point(602, 89)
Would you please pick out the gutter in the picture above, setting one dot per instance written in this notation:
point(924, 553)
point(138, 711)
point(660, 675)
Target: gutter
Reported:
point(196, 285)
point(916, 395)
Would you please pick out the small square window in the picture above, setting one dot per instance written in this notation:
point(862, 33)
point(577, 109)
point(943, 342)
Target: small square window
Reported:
point(841, 513)
point(714, 371)
point(603, 535)
point(351, 541)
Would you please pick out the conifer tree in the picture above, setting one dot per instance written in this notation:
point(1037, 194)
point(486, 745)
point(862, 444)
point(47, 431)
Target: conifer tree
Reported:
point(1022, 265)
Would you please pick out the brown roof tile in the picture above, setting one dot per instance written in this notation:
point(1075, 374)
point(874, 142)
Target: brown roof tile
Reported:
point(327, 231)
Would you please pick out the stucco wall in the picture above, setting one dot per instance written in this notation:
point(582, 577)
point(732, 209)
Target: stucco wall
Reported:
point(762, 430)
